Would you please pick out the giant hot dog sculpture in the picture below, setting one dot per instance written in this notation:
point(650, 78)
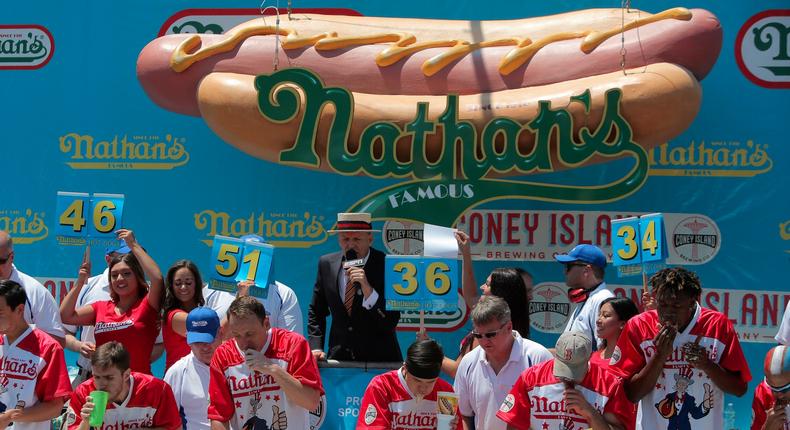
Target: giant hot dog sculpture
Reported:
point(390, 65)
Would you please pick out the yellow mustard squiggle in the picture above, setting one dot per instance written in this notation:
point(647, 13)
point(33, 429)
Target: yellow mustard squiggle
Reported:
point(404, 44)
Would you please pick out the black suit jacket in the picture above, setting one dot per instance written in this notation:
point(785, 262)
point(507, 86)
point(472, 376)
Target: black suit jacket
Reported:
point(366, 334)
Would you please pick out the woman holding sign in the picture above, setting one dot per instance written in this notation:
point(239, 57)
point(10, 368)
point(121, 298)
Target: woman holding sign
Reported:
point(131, 317)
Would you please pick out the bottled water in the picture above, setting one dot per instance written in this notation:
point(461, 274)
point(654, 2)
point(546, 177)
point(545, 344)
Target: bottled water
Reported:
point(729, 417)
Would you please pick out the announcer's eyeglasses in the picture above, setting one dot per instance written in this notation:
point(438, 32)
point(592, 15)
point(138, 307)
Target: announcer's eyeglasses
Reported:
point(779, 390)
point(490, 334)
point(7, 257)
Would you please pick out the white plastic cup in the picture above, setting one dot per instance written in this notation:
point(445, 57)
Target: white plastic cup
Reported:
point(443, 421)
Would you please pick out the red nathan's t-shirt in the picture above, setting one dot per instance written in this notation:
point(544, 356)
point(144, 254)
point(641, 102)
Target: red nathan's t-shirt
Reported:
point(388, 404)
point(764, 400)
point(136, 329)
point(175, 344)
point(244, 397)
point(681, 390)
point(536, 400)
point(149, 403)
point(32, 371)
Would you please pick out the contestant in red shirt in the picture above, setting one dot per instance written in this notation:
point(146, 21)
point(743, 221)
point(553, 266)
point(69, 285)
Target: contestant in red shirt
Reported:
point(135, 400)
point(680, 359)
point(568, 392)
point(263, 377)
point(132, 316)
point(34, 383)
point(771, 406)
point(406, 398)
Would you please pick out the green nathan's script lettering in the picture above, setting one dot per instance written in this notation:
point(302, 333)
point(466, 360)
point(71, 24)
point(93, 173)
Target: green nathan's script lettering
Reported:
point(494, 150)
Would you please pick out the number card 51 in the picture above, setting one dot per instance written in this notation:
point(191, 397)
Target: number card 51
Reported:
point(234, 260)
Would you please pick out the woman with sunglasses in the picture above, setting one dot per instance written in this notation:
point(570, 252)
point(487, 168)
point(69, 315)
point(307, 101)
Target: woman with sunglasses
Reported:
point(614, 313)
point(131, 317)
point(771, 405)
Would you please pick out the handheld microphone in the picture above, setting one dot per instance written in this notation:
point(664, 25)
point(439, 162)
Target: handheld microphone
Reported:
point(351, 260)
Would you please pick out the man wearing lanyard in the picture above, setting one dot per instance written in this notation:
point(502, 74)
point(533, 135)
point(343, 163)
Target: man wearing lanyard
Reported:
point(584, 271)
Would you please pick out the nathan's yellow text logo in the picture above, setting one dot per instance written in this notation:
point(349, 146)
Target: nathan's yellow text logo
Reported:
point(784, 232)
point(713, 158)
point(124, 152)
point(281, 229)
point(25, 226)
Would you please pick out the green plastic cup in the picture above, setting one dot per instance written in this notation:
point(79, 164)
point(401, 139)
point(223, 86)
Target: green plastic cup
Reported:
point(99, 406)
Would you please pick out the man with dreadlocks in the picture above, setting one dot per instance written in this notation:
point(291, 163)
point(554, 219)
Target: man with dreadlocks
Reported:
point(679, 359)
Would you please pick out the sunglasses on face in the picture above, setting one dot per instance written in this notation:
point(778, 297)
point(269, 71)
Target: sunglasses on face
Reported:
point(570, 266)
point(7, 257)
point(779, 390)
point(490, 334)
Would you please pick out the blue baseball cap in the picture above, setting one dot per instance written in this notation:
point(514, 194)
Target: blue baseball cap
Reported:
point(123, 249)
point(252, 238)
point(589, 254)
point(202, 325)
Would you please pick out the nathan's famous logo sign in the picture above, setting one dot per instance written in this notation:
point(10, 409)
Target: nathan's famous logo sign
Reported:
point(784, 232)
point(372, 98)
point(26, 46)
point(123, 152)
point(282, 229)
point(762, 48)
point(710, 158)
point(24, 225)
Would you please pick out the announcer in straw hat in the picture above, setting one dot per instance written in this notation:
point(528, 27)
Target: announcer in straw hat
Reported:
point(350, 287)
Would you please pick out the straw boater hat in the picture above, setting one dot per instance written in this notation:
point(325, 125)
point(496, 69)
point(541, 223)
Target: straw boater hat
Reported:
point(353, 222)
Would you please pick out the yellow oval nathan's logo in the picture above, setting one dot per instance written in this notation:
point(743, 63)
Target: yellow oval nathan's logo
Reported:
point(24, 225)
point(281, 229)
point(124, 152)
point(710, 158)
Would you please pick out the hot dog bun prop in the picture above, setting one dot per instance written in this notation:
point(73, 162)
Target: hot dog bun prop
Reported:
point(392, 67)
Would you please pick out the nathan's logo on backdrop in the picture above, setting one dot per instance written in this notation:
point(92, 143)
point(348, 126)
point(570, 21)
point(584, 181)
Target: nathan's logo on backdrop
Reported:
point(762, 49)
point(25, 46)
point(784, 232)
point(696, 239)
point(24, 225)
point(403, 237)
point(124, 152)
point(437, 321)
point(549, 308)
point(281, 229)
point(712, 158)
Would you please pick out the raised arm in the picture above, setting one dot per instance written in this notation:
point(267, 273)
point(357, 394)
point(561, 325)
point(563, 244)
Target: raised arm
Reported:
point(469, 290)
point(84, 315)
point(157, 283)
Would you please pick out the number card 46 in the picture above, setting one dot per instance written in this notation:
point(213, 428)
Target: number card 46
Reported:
point(84, 215)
